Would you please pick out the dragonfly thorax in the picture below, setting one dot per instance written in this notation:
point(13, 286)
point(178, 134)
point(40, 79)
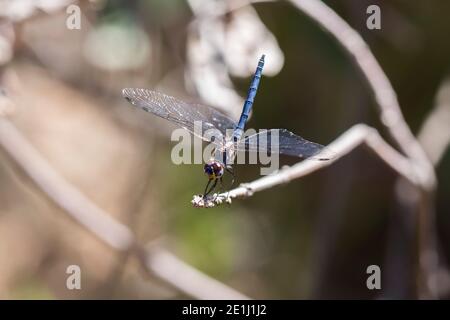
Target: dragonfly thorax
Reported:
point(214, 169)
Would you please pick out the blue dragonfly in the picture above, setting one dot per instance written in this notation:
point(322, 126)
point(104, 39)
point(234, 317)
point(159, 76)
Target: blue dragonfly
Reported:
point(227, 138)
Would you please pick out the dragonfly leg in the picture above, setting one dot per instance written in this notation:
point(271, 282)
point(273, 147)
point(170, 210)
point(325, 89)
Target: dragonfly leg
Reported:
point(220, 188)
point(230, 170)
point(206, 188)
point(210, 189)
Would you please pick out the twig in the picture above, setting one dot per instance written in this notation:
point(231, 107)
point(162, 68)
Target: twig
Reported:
point(385, 96)
point(391, 117)
point(186, 278)
point(434, 134)
point(415, 167)
point(159, 263)
point(352, 138)
point(435, 138)
point(216, 10)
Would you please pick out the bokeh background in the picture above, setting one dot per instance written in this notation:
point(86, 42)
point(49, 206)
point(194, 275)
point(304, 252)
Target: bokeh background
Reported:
point(311, 238)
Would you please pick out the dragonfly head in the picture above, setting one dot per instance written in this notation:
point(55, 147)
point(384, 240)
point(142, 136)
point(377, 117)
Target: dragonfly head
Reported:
point(213, 169)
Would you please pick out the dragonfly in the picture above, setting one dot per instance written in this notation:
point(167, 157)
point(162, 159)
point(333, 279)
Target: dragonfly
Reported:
point(228, 134)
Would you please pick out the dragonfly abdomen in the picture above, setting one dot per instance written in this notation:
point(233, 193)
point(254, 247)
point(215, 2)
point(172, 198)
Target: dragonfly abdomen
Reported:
point(249, 100)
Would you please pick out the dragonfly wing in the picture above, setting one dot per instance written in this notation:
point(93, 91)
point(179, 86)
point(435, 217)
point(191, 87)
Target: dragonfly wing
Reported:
point(181, 113)
point(282, 141)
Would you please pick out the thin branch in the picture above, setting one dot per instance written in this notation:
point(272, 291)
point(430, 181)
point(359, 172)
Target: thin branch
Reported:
point(343, 145)
point(61, 192)
point(214, 10)
point(186, 278)
point(434, 134)
point(159, 263)
point(385, 96)
point(392, 117)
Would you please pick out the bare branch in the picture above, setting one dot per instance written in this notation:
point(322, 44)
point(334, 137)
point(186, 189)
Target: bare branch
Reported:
point(392, 117)
point(435, 132)
point(352, 138)
point(159, 263)
point(186, 278)
point(385, 96)
point(435, 138)
point(61, 192)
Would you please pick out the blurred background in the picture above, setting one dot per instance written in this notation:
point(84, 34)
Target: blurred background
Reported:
point(311, 238)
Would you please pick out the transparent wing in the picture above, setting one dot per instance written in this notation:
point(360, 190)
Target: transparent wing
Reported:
point(283, 142)
point(181, 113)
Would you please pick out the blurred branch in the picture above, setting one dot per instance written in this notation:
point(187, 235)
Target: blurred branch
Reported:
point(347, 142)
point(385, 96)
point(392, 118)
point(159, 263)
point(415, 167)
point(186, 278)
point(213, 56)
point(435, 132)
point(434, 136)
point(212, 10)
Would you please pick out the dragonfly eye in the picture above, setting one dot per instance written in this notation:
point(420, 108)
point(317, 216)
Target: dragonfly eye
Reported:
point(213, 169)
point(208, 169)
